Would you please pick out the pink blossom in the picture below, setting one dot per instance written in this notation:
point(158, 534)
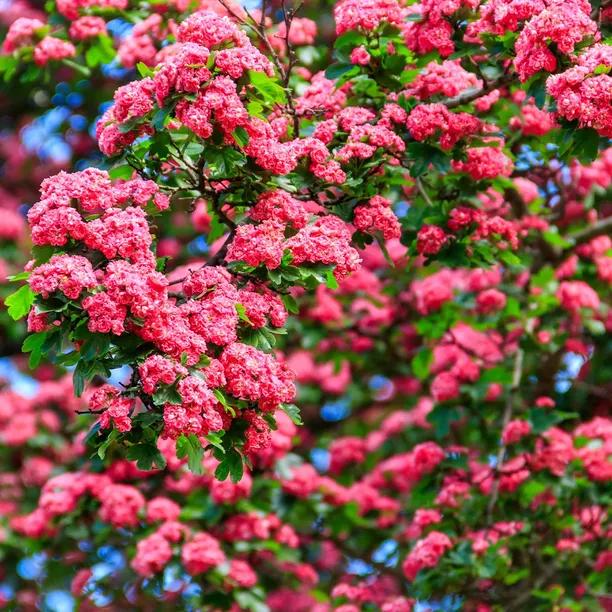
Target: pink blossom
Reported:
point(152, 554)
point(258, 244)
point(51, 49)
point(431, 239)
point(21, 33)
point(575, 295)
point(87, 27)
point(426, 554)
point(201, 554)
point(69, 274)
point(360, 56)
point(365, 14)
point(515, 430)
point(377, 216)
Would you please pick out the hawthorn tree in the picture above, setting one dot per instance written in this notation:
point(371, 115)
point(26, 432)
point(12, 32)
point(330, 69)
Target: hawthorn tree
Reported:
point(324, 323)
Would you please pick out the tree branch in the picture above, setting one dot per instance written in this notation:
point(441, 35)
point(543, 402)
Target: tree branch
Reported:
point(517, 375)
point(603, 226)
point(474, 93)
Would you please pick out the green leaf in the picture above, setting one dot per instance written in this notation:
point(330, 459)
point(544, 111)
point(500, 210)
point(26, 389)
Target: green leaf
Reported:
point(167, 395)
point(350, 40)
point(586, 144)
point(441, 417)
point(217, 229)
point(79, 378)
point(223, 401)
point(242, 314)
point(421, 363)
point(553, 237)
point(144, 70)
point(20, 302)
point(216, 440)
point(225, 162)
point(290, 304)
point(330, 280)
point(542, 419)
point(160, 117)
point(121, 172)
point(293, 412)
point(509, 258)
point(146, 456)
point(8, 65)
point(335, 71)
point(231, 466)
point(33, 345)
point(255, 109)
point(241, 136)
point(190, 447)
point(269, 89)
point(100, 52)
point(19, 277)
point(112, 436)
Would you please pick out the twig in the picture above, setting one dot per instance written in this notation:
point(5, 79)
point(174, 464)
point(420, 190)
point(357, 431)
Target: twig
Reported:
point(421, 190)
point(597, 229)
point(260, 30)
point(517, 375)
point(474, 93)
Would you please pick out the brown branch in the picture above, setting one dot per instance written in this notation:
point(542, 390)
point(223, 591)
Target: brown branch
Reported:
point(517, 375)
point(474, 93)
point(602, 226)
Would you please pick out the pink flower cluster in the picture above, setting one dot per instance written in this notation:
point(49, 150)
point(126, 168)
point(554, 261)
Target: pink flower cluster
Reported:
point(583, 94)
point(87, 27)
point(447, 79)
point(564, 23)
point(377, 216)
point(51, 49)
point(71, 8)
point(435, 120)
point(126, 293)
point(426, 553)
point(366, 14)
point(487, 162)
point(433, 31)
point(195, 66)
point(21, 33)
point(116, 410)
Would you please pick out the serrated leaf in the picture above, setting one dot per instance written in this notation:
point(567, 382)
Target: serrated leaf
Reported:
point(190, 447)
point(293, 412)
point(121, 172)
point(241, 136)
point(20, 302)
point(33, 345)
point(269, 89)
point(146, 456)
point(216, 440)
point(335, 71)
point(144, 70)
point(231, 465)
point(242, 313)
point(290, 304)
